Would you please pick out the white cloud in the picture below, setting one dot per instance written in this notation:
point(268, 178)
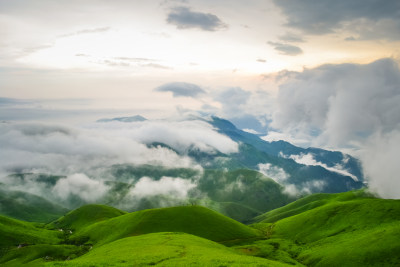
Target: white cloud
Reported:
point(381, 164)
point(68, 150)
point(277, 136)
point(345, 106)
point(80, 185)
point(308, 159)
point(252, 131)
point(305, 188)
point(277, 174)
point(180, 135)
point(176, 187)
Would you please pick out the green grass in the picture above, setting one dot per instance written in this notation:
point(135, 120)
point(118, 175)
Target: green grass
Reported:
point(165, 249)
point(308, 203)
point(195, 220)
point(38, 254)
point(346, 229)
point(14, 232)
point(28, 207)
point(86, 215)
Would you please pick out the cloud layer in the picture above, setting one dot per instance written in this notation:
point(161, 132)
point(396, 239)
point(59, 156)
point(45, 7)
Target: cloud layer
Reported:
point(372, 19)
point(184, 18)
point(347, 105)
point(286, 49)
point(68, 150)
point(179, 89)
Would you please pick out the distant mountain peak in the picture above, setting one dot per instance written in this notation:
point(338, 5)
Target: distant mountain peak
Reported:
point(124, 119)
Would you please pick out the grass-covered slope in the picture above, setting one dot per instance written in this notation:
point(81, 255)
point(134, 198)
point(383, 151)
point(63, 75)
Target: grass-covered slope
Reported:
point(86, 215)
point(165, 249)
point(308, 203)
point(347, 229)
point(28, 207)
point(195, 220)
point(14, 232)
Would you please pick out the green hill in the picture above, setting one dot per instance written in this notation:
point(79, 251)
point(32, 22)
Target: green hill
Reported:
point(346, 229)
point(308, 203)
point(14, 232)
point(28, 207)
point(165, 249)
point(86, 215)
point(195, 220)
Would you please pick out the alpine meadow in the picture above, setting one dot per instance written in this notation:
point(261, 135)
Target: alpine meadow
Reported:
point(200, 133)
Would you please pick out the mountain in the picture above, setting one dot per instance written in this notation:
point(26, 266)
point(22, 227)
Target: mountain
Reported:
point(124, 119)
point(195, 220)
point(332, 170)
point(259, 177)
point(86, 215)
point(28, 207)
point(166, 249)
point(346, 229)
point(175, 235)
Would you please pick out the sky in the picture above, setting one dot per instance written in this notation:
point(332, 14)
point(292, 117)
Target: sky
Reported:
point(314, 72)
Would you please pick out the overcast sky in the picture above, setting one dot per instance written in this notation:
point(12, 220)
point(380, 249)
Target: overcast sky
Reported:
point(315, 72)
point(96, 49)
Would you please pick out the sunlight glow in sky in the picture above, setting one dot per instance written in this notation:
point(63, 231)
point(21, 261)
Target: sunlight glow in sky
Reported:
point(148, 43)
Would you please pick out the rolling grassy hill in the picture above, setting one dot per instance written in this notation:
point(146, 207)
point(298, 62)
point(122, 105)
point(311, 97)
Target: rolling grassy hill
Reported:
point(346, 229)
point(195, 220)
point(86, 215)
point(14, 232)
point(165, 249)
point(28, 207)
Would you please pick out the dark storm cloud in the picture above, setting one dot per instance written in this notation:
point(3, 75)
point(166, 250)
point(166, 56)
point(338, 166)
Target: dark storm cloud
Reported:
point(184, 18)
point(371, 19)
point(181, 89)
point(286, 49)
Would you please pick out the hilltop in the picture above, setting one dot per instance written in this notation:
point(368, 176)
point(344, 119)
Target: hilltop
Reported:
point(344, 229)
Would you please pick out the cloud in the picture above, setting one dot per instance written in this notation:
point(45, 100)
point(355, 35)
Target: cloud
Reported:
point(36, 147)
point(157, 66)
point(80, 185)
point(48, 148)
point(87, 31)
point(273, 172)
point(308, 159)
point(82, 157)
point(179, 89)
point(371, 19)
point(344, 106)
point(9, 102)
point(252, 131)
point(184, 18)
point(305, 188)
point(176, 187)
point(286, 49)
point(134, 59)
point(233, 100)
point(113, 63)
point(381, 164)
point(340, 103)
point(291, 38)
point(273, 136)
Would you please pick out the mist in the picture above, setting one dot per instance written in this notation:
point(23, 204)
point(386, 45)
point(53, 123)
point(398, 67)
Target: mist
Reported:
point(78, 160)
